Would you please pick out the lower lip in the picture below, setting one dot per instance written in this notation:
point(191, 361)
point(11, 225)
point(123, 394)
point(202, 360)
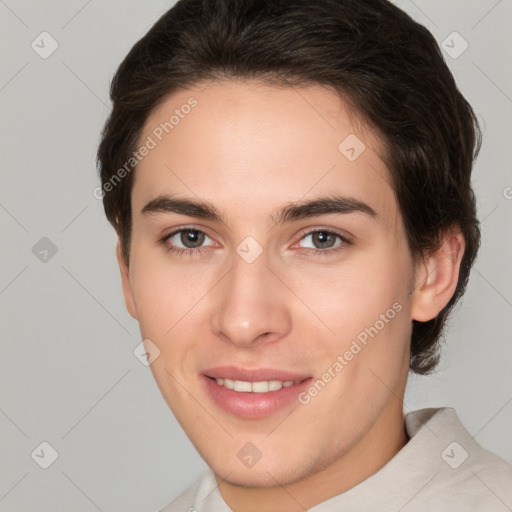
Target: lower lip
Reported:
point(252, 405)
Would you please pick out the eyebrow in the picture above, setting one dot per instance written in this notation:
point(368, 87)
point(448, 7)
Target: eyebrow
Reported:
point(331, 204)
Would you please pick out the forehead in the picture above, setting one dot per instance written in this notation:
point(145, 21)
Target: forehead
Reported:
point(246, 144)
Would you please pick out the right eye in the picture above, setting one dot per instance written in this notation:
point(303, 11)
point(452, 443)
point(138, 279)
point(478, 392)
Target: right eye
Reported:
point(186, 240)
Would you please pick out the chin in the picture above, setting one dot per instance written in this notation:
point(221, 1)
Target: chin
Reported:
point(273, 472)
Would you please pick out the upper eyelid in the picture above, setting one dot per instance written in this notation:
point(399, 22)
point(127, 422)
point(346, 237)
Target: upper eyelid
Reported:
point(175, 231)
point(335, 231)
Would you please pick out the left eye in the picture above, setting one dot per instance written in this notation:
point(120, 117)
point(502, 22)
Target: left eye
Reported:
point(323, 239)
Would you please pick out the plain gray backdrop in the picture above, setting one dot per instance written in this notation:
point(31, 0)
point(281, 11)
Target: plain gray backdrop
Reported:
point(69, 377)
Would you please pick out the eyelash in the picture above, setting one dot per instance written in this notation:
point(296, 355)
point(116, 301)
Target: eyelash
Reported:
point(201, 250)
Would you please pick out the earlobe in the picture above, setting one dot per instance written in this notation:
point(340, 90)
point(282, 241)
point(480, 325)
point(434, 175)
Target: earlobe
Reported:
point(125, 281)
point(437, 277)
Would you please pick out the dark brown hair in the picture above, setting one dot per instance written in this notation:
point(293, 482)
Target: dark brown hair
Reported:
point(383, 63)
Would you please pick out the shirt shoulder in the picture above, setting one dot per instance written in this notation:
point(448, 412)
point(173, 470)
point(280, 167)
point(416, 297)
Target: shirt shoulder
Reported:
point(183, 502)
point(202, 496)
point(467, 476)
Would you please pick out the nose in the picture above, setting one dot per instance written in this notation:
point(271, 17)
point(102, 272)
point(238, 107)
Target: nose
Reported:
point(251, 304)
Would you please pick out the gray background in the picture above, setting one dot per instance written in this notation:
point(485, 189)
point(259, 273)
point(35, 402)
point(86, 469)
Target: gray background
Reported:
point(68, 373)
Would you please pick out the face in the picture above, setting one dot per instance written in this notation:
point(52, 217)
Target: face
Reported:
point(268, 254)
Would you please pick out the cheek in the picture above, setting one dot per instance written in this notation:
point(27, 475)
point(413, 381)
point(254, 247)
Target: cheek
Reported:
point(164, 293)
point(377, 329)
point(357, 295)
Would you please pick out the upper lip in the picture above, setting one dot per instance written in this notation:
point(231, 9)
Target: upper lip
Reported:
point(253, 375)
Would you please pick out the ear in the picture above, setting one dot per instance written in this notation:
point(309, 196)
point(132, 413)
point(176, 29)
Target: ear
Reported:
point(437, 276)
point(125, 281)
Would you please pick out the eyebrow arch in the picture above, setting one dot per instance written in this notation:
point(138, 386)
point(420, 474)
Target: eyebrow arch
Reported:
point(331, 204)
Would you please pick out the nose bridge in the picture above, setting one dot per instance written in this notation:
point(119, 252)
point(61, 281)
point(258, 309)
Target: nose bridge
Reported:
point(249, 302)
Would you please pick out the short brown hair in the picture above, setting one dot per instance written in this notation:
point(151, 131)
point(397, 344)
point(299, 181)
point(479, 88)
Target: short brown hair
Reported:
point(387, 66)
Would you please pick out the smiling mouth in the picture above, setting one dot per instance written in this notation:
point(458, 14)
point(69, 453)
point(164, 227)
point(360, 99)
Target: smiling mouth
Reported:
point(253, 393)
point(265, 386)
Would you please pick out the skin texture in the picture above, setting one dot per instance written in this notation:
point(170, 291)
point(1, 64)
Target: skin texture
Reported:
point(250, 149)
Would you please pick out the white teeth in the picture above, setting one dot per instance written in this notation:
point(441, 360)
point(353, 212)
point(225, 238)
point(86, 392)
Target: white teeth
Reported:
point(260, 387)
point(275, 385)
point(228, 383)
point(255, 387)
point(241, 385)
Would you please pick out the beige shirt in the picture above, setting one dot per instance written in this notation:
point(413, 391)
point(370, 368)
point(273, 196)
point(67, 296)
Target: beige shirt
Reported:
point(441, 468)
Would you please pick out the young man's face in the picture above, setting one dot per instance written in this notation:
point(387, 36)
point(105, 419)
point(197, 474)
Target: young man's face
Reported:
point(258, 297)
